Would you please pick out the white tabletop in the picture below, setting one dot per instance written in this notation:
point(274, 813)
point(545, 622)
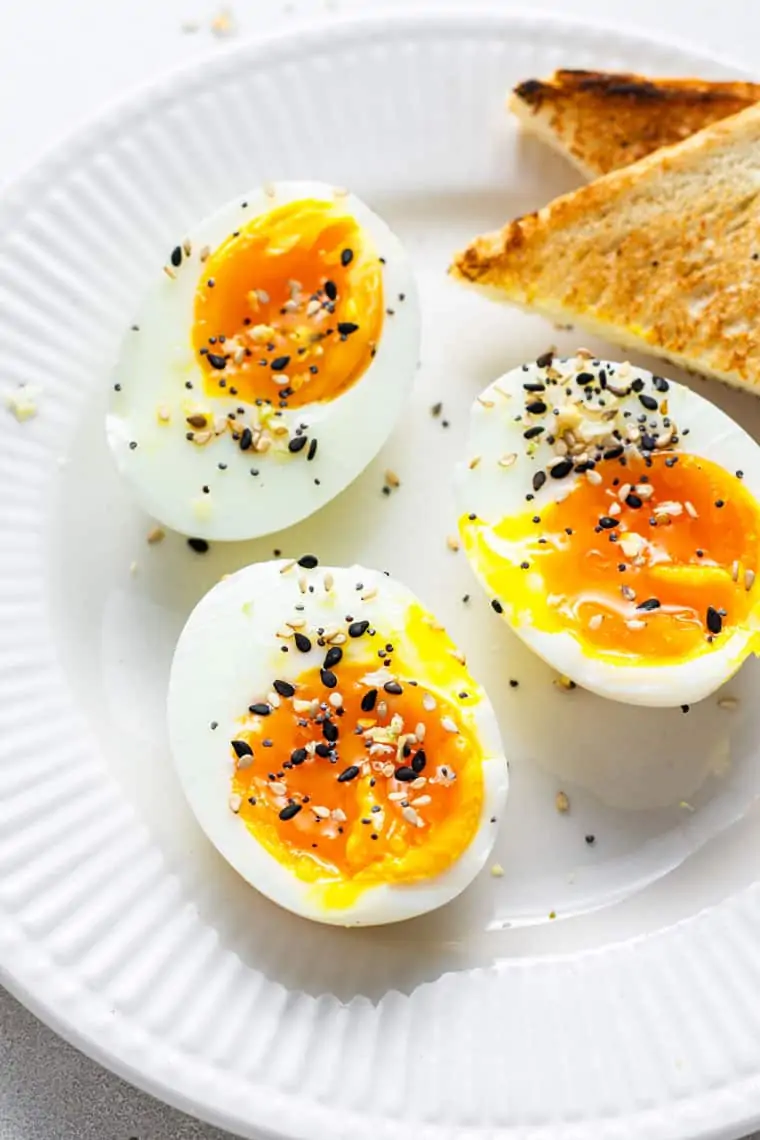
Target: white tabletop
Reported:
point(60, 61)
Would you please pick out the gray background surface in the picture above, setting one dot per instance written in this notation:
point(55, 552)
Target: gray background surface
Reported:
point(49, 1091)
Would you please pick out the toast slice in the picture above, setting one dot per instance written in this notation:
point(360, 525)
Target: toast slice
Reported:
point(602, 120)
point(663, 255)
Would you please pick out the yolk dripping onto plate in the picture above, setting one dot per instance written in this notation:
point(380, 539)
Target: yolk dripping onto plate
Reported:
point(290, 307)
point(653, 562)
point(397, 803)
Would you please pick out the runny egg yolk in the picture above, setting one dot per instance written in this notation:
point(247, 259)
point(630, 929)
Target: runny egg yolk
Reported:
point(289, 309)
point(651, 562)
point(353, 785)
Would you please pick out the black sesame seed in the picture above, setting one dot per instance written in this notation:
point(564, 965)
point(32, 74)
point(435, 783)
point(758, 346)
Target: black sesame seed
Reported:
point(534, 387)
point(176, 256)
point(349, 773)
point(368, 700)
point(347, 256)
point(290, 810)
point(322, 750)
point(739, 474)
point(685, 708)
point(585, 378)
point(634, 501)
point(199, 545)
point(591, 840)
point(312, 449)
point(405, 774)
point(328, 678)
point(132, 444)
point(357, 628)
point(714, 620)
point(308, 561)
point(497, 606)
point(393, 688)
point(280, 363)
point(560, 470)
point(302, 642)
point(330, 731)
point(637, 385)
point(533, 432)
point(284, 688)
point(260, 708)
point(246, 439)
point(538, 480)
point(216, 361)
point(648, 402)
point(333, 656)
point(545, 359)
point(613, 452)
point(649, 604)
point(660, 383)
point(345, 328)
point(419, 760)
point(607, 523)
point(536, 407)
point(241, 748)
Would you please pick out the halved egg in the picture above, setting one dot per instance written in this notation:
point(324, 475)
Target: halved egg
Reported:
point(613, 518)
point(332, 743)
point(268, 364)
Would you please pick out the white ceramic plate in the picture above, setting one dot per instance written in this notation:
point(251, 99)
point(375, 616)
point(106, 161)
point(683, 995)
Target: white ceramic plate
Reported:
point(636, 1013)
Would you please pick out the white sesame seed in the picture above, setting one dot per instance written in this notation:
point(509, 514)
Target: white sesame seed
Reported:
point(507, 460)
point(410, 815)
point(369, 595)
point(428, 702)
point(628, 593)
point(418, 783)
point(235, 802)
point(284, 569)
point(749, 578)
point(164, 414)
point(187, 247)
point(484, 403)
point(564, 684)
point(303, 584)
point(421, 801)
point(445, 774)
point(614, 509)
point(644, 490)
point(396, 797)
point(338, 815)
point(593, 477)
point(728, 703)
point(269, 189)
point(595, 621)
point(244, 762)
point(277, 789)
point(321, 812)
point(419, 732)
point(170, 272)
point(328, 582)
point(388, 770)
point(336, 700)
point(555, 599)
point(691, 509)
point(458, 656)
point(448, 724)
point(635, 623)
point(133, 568)
point(382, 709)
point(204, 253)
point(273, 699)
point(735, 571)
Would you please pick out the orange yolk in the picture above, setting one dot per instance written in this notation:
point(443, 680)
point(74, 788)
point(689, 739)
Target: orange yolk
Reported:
point(653, 562)
point(370, 806)
point(290, 308)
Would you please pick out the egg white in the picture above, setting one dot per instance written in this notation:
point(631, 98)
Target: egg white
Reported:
point(167, 473)
point(229, 652)
point(494, 491)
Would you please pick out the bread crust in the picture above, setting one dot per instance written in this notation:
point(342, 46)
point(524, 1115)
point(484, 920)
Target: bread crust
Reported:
point(605, 120)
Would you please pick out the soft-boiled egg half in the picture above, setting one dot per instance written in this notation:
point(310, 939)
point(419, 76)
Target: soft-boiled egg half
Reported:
point(332, 743)
point(268, 364)
point(613, 518)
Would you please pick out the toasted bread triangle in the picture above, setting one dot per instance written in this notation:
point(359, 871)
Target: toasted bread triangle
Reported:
point(663, 255)
point(603, 120)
